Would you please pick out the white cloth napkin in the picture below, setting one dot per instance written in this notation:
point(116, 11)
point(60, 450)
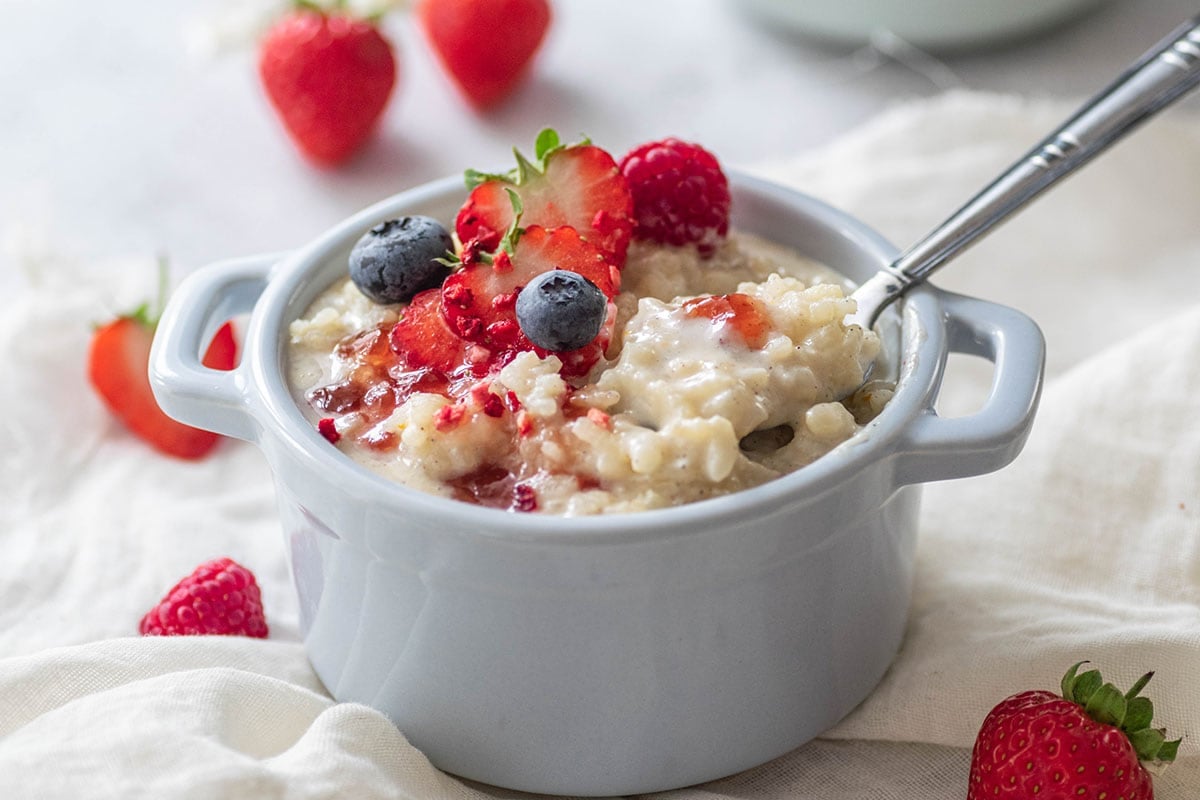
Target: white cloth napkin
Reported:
point(1087, 547)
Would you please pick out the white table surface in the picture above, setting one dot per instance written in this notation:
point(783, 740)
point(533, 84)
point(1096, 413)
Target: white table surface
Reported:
point(118, 138)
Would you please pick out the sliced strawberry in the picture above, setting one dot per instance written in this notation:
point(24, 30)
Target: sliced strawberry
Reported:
point(577, 185)
point(422, 338)
point(383, 366)
point(478, 301)
point(117, 368)
point(486, 206)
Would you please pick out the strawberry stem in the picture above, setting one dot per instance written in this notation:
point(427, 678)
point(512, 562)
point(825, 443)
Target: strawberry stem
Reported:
point(508, 243)
point(147, 314)
point(1128, 711)
point(1137, 687)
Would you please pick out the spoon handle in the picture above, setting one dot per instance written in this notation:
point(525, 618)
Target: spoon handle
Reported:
point(1166, 72)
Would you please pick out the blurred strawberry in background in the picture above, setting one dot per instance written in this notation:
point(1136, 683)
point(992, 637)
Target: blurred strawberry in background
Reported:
point(117, 368)
point(486, 45)
point(329, 75)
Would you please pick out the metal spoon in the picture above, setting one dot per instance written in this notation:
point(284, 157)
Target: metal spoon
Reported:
point(1160, 77)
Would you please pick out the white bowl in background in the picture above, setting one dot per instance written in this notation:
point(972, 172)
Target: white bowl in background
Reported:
point(930, 24)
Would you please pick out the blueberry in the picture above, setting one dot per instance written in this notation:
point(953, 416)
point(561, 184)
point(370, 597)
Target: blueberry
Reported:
point(561, 310)
point(396, 259)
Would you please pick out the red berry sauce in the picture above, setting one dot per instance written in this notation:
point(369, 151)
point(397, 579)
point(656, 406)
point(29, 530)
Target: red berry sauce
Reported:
point(738, 313)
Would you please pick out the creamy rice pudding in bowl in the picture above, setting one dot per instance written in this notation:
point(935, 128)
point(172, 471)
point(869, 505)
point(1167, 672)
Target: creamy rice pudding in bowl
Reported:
point(722, 373)
point(652, 559)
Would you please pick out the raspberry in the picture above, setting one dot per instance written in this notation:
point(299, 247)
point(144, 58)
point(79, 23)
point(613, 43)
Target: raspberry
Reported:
point(220, 597)
point(680, 194)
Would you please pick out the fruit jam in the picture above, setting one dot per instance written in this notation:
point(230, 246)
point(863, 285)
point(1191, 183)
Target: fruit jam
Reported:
point(740, 314)
point(376, 382)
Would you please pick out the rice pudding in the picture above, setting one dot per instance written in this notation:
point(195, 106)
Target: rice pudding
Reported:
point(722, 373)
point(591, 338)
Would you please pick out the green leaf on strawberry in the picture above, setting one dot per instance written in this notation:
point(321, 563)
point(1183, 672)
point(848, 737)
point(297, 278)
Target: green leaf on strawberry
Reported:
point(1139, 712)
point(547, 142)
point(508, 242)
point(1129, 712)
point(1106, 705)
point(1081, 687)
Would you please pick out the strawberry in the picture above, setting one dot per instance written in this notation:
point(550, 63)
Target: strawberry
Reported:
point(739, 316)
point(222, 350)
point(220, 597)
point(329, 77)
point(422, 339)
point(381, 366)
point(479, 300)
point(1089, 742)
point(485, 45)
point(118, 360)
point(576, 185)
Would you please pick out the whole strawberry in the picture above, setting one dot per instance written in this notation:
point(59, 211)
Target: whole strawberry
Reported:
point(1090, 742)
point(117, 368)
point(485, 45)
point(329, 76)
point(219, 597)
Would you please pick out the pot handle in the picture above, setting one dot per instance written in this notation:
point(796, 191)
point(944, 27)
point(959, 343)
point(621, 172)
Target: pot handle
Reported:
point(938, 448)
point(185, 389)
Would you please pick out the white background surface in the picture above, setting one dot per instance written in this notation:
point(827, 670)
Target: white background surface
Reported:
point(123, 143)
point(119, 137)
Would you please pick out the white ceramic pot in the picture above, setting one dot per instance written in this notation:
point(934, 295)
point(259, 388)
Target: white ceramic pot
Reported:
point(931, 24)
point(619, 654)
